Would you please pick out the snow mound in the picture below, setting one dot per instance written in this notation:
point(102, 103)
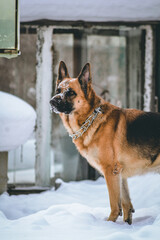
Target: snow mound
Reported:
point(17, 121)
point(78, 210)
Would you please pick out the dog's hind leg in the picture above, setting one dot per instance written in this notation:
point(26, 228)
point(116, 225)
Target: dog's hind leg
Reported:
point(126, 202)
point(113, 184)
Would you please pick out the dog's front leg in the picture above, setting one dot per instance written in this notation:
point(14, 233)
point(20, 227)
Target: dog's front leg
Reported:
point(113, 184)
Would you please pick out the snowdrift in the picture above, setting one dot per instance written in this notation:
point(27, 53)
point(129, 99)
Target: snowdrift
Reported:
point(78, 210)
point(17, 121)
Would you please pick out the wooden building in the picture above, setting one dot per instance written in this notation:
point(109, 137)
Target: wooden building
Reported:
point(120, 39)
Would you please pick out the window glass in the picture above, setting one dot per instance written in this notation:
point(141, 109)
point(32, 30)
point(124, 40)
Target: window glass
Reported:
point(7, 24)
point(107, 56)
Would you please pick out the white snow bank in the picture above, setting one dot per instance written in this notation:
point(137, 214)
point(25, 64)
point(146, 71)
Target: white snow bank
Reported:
point(77, 210)
point(89, 10)
point(17, 121)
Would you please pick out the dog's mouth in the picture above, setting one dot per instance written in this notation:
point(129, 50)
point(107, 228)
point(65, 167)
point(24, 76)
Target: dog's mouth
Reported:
point(54, 109)
point(58, 105)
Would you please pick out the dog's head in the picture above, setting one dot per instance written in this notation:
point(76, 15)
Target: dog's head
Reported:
point(72, 94)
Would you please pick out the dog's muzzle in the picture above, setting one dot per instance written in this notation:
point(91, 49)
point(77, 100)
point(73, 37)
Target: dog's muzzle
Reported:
point(59, 105)
point(55, 104)
point(55, 101)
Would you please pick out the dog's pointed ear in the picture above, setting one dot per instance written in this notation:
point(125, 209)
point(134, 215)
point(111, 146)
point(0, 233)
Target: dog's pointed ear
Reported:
point(85, 74)
point(62, 72)
point(85, 78)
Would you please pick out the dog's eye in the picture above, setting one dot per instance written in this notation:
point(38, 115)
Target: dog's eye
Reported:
point(70, 93)
point(58, 90)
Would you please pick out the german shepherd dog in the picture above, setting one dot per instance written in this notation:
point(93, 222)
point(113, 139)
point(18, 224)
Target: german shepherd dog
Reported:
point(119, 143)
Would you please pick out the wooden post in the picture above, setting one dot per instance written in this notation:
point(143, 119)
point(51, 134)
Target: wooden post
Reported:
point(43, 96)
point(157, 68)
point(80, 52)
point(134, 72)
point(149, 82)
point(3, 171)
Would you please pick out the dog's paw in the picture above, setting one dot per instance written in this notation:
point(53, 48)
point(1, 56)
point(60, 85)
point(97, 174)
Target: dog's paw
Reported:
point(129, 221)
point(114, 215)
point(133, 210)
point(128, 218)
point(127, 212)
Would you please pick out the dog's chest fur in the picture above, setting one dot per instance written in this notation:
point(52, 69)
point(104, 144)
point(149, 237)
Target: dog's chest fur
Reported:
point(85, 144)
point(92, 157)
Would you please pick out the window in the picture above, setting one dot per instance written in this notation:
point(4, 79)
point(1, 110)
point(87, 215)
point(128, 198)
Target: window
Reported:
point(116, 58)
point(9, 32)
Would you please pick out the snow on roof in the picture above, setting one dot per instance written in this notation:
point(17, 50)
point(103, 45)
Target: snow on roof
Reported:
point(90, 10)
point(17, 121)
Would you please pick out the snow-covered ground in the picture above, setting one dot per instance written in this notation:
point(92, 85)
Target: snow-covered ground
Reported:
point(78, 210)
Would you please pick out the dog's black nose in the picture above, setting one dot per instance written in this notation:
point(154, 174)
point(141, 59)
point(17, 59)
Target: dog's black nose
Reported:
point(52, 101)
point(55, 101)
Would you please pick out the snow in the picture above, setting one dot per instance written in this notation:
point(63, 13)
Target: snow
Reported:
point(89, 10)
point(78, 210)
point(17, 121)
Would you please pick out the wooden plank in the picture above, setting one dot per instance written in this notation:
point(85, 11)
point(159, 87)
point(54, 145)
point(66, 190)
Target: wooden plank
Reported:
point(80, 51)
point(43, 96)
point(149, 83)
point(157, 68)
point(3, 171)
point(134, 70)
point(46, 22)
